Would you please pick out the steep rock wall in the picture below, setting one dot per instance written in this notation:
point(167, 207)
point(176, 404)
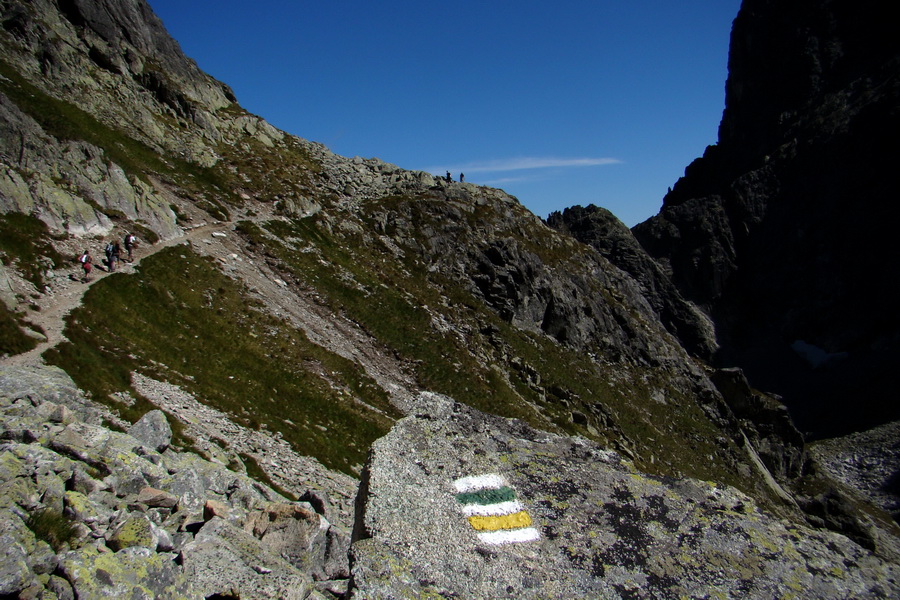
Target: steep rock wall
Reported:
point(782, 232)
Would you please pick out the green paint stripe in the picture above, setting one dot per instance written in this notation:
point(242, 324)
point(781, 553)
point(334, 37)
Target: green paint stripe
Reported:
point(487, 496)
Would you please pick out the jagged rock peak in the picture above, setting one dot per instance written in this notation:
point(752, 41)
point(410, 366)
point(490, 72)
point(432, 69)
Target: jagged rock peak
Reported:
point(600, 229)
point(773, 231)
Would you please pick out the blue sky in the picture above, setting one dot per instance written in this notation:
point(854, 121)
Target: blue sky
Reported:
point(558, 103)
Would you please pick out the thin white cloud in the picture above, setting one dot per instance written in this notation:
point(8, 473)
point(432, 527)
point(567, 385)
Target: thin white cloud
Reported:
point(526, 162)
point(504, 181)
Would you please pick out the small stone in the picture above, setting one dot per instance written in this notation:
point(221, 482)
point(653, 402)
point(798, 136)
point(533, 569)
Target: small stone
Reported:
point(215, 508)
point(155, 498)
point(62, 414)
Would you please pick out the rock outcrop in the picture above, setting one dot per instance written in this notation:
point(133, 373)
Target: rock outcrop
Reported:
point(783, 231)
point(88, 512)
point(458, 504)
point(600, 229)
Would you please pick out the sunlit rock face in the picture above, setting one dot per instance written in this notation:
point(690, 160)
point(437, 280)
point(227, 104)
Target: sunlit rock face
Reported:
point(457, 504)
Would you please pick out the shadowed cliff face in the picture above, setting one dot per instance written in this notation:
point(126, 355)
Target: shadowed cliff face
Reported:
point(783, 231)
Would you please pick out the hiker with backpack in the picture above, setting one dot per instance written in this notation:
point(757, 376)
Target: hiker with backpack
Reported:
point(130, 243)
point(112, 255)
point(108, 250)
point(116, 253)
point(85, 260)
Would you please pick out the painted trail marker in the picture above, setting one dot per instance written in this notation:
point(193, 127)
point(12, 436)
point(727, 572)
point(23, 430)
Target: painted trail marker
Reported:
point(493, 510)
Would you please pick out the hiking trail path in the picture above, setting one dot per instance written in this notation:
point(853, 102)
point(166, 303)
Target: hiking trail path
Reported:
point(302, 307)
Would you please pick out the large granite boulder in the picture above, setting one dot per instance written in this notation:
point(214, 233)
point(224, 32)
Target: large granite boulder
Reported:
point(153, 429)
point(458, 504)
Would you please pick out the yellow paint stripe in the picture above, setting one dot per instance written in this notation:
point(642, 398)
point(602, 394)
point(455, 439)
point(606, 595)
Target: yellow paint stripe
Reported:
point(519, 519)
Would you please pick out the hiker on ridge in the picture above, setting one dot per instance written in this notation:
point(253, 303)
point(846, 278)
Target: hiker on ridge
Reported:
point(108, 250)
point(116, 253)
point(85, 260)
point(130, 243)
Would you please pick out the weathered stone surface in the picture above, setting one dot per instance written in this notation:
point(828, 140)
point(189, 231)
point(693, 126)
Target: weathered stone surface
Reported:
point(15, 575)
point(153, 429)
point(156, 498)
point(214, 508)
point(48, 384)
point(136, 530)
point(122, 532)
point(227, 561)
point(603, 530)
point(296, 533)
point(132, 573)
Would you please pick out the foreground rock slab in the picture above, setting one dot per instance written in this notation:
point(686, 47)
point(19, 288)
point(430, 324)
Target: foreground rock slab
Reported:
point(458, 504)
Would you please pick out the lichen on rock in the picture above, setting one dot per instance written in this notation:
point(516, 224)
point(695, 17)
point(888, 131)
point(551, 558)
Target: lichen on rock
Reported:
point(606, 529)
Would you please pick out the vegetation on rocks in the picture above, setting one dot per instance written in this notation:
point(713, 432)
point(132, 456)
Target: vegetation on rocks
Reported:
point(52, 527)
point(25, 241)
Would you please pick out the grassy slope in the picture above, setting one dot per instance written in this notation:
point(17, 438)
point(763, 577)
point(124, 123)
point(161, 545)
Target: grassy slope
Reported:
point(519, 374)
point(180, 319)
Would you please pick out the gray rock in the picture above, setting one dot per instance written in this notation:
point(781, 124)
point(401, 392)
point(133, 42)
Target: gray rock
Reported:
point(227, 561)
point(586, 524)
point(153, 430)
point(84, 483)
point(156, 498)
point(42, 559)
point(124, 530)
point(300, 536)
point(136, 530)
point(61, 588)
point(15, 574)
point(132, 573)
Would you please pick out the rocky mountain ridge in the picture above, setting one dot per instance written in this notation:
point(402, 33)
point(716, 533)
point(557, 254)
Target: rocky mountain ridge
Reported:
point(286, 301)
point(780, 232)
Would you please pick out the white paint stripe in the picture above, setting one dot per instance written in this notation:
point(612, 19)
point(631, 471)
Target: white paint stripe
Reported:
point(479, 482)
point(509, 536)
point(493, 510)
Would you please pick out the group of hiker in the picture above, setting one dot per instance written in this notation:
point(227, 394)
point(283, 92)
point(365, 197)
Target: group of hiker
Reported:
point(113, 251)
point(449, 178)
